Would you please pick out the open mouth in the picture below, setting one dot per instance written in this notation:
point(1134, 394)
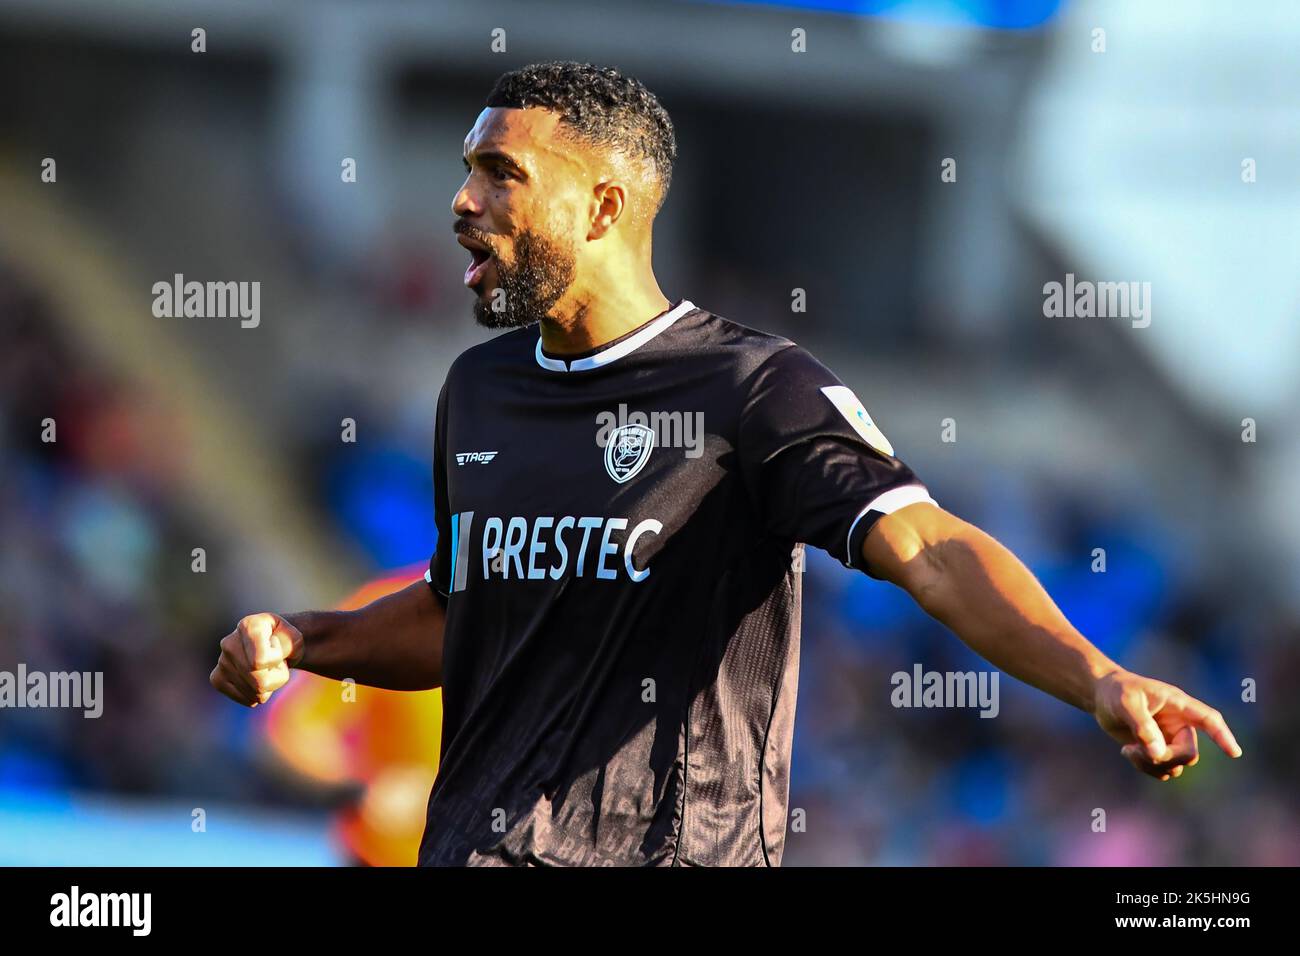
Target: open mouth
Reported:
point(480, 258)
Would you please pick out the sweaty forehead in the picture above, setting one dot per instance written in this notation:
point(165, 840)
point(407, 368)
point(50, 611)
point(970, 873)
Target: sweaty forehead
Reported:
point(531, 137)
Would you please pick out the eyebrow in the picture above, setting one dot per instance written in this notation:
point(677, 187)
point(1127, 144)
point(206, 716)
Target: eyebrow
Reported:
point(496, 156)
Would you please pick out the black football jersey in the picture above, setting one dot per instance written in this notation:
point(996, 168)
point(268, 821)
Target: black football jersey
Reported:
point(620, 547)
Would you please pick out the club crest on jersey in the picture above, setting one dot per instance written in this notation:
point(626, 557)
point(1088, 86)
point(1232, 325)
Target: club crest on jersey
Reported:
point(627, 451)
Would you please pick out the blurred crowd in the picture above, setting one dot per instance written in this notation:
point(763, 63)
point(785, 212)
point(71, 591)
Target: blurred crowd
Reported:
point(95, 575)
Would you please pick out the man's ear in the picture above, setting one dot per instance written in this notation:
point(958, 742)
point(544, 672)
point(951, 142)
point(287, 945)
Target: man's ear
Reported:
point(609, 202)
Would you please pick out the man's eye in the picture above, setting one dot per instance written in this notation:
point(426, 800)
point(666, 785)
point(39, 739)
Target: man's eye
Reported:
point(500, 175)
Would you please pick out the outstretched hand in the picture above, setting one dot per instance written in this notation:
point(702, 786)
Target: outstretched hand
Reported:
point(1157, 722)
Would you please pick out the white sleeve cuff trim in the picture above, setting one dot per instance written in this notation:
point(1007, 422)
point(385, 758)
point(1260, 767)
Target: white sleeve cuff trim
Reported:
point(887, 503)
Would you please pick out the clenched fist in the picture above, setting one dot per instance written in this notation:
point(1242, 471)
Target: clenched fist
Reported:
point(256, 657)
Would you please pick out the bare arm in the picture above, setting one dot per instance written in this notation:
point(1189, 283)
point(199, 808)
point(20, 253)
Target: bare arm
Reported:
point(968, 581)
point(394, 642)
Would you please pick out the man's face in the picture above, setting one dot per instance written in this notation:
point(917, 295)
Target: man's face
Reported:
point(520, 213)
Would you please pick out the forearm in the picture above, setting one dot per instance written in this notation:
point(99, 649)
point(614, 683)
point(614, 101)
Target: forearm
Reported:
point(968, 581)
point(393, 643)
point(990, 600)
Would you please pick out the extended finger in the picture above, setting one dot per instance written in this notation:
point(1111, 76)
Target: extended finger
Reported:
point(1209, 720)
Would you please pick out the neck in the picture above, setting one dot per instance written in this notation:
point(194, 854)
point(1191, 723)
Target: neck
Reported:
point(586, 319)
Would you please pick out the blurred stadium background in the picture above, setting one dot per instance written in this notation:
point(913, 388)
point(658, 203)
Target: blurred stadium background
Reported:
point(819, 170)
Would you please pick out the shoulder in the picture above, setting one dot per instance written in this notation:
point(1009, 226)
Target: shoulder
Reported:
point(759, 360)
point(750, 353)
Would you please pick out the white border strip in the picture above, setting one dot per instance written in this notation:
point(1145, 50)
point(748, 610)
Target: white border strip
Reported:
point(887, 503)
point(630, 344)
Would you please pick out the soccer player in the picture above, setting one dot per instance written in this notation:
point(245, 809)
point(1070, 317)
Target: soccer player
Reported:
point(622, 499)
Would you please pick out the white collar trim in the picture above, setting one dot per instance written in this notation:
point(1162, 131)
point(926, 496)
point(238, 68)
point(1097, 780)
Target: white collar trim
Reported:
point(615, 352)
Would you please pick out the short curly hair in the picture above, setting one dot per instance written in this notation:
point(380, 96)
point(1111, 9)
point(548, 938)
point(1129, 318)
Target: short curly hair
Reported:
point(601, 107)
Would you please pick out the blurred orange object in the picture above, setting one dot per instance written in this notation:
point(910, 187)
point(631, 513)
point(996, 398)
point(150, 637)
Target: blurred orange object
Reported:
point(387, 740)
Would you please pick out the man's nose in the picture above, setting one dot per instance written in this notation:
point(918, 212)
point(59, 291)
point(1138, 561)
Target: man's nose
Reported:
point(465, 203)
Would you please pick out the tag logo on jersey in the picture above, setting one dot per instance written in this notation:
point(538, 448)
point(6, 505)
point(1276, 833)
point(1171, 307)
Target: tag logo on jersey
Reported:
point(842, 397)
point(474, 457)
point(627, 451)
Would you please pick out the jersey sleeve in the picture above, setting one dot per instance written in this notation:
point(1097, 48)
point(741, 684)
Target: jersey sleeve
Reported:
point(818, 467)
point(438, 574)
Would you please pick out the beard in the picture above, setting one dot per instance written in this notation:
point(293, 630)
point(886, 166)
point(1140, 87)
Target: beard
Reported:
point(528, 289)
